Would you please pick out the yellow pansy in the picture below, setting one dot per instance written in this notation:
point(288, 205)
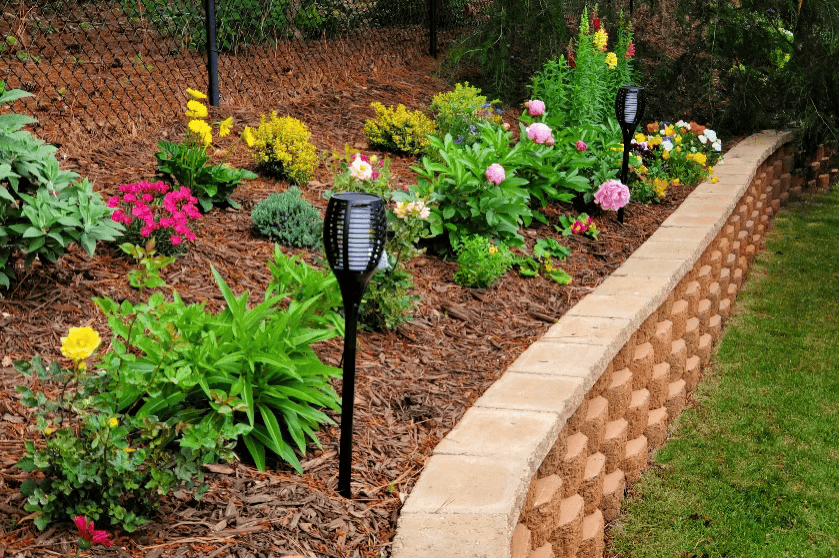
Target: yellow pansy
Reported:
point(80, 343)
point(678, 140)
point(113, 423)
point(670, 131)
point(195, 95)
point(640, 138)
point(493, 250)
point(196, 110)
point(655, 141)
point(665, 155)
point(225, 126)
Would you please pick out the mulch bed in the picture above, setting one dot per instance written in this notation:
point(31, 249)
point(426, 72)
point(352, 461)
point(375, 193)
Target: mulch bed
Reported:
point(412, 386)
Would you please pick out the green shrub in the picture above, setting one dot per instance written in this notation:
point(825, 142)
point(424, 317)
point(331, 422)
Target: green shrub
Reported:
point(458, 112)
point(43, 209)
point(282, 147)
point(480, 262)
point(288, 219)
point(400, 130)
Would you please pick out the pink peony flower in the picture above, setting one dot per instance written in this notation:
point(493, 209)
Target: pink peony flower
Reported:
point(495, 174)
point(581, 146)
point(612, 194)
point(540, 133)
point(535, 107)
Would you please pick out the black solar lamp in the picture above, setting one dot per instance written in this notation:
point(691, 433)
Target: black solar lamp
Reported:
point(629, 109)
point(354, 233)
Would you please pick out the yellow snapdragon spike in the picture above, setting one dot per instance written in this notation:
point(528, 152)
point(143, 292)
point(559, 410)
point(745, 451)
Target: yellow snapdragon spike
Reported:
point(196, 110)
point(225, 126)
point(247, 135)
point(612, 60)
point(195, 95)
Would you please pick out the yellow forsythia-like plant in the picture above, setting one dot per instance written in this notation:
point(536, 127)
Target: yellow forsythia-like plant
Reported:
point(283, 147)
point(399, 129)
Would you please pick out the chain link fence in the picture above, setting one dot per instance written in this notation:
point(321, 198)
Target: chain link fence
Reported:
point(102, 67)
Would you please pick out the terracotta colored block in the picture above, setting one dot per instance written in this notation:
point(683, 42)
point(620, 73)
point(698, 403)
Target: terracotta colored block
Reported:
point(715, 261)
point(678, 315)
point(520, 546)
point(724, 279)
point(638, 412)
point(706, 343)
point(544, 551)
point(715, 328)
point(724, 247)
point(725, 308)
point(714, 293)
point(578, 418)
point(642, 365)
point(541, 512)
point(692, 296)
point(675, 399)
point(614, 444)
point(751, 250)
point(737, 278)
point(614, 485)
point(693, 370)
point(656, 431)
point(786, 182)
point(735, 251)
point(619, 393)
point(552, 465)
point(636, 458)
point(594, 426)
point(776, 206)
point(703, 314)
point(662, 341)
point(703, 277)
point(568, 536)
point(592, 488)
point(692, 335)
point(574, 463)
point(594, 536)
point(676, 362)
point(658, 385)
point(624, 356)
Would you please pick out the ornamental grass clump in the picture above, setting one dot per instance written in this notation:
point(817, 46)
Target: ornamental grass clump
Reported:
point(288, 219)
point(282, 147)
point(399, 129)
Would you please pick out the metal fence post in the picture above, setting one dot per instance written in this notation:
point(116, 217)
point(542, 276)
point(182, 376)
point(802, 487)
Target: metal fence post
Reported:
point(432, 25)
point(212, 51)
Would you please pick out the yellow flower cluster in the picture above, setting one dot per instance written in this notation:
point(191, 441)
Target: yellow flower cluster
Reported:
point(612, 60)
point(197, 127)
point(698, 158)
point(660, 186)
point(601, 39)
point(283, 146)
point(80, 343)
point(399, 129)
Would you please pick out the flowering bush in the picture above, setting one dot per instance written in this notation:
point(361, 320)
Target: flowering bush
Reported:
point(187, 163)
point(282, 147)
point(458, 112)
point(399, 129)
point(156, 211)
point(535, 107)
point(359, 173)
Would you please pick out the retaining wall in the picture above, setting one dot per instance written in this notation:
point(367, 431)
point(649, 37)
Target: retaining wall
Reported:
point(540, 462)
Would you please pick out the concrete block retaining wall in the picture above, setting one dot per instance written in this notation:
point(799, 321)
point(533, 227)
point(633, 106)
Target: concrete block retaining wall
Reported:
point(539, 464)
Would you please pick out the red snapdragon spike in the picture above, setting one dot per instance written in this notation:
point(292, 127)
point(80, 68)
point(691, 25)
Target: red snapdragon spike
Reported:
point(595, 23)
point(572, 59)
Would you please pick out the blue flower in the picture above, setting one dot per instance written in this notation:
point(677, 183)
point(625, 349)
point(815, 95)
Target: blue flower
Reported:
point(499, 111)
point(459, 141)
point(487, 105)
point(473, 129)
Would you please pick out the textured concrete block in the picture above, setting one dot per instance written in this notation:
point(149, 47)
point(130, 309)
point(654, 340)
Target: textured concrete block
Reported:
point(693, 371)
point(638, 412)
point(642, 365)
point(568, 536)
point(520, 546)
point(594, 426)
point(635, 460)
point(678, 355)
point(592, 488)
point(594, 543)
point(614, 444)
point(656, 431)
point(574, 464)
point(619, 393)
point(658, 386)
point(440, 535)
point(675, 399)
point(541, 512)
point(661, 341)
point(614, 485)
point(531, 392)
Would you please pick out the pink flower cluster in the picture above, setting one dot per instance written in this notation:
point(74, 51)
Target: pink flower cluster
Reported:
point(541, 134)
point(580, 227)
point(375, 175)
point(613, 194)
point(91, 536)
point(143, 202)
point(535, 107)
point(496, 174)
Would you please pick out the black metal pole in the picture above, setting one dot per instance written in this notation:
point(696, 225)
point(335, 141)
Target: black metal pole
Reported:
point(212, 52)
point(627, 137)
point(432, 26)
point(348, 396)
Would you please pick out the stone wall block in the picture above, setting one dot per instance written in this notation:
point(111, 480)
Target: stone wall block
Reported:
point(642, 365)
point(542, 509)
point(614, 444)
point(614, 485)
point(619, 393)
point(568, 537)
point(635, 461)
point(656, 431)
point(676, 362)
point(594, 536)
point(592, 487)
point(676, 399)
point(662, 341)
point(594, 426)
point(638, 413)
point(693, 370)
point(573, 466)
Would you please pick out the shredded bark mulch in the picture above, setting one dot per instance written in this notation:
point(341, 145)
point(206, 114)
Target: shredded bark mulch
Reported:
point(412, 386)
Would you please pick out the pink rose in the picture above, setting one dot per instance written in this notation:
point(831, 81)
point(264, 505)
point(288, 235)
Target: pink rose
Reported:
point(496, 174)
point(581, 146)
point(540, 133)
point(612, 194)
point(535, 107)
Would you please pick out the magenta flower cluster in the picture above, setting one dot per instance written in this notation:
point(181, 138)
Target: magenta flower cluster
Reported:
point(89, 536)
point(613, 194)
point(143, 203)
point(581, 227)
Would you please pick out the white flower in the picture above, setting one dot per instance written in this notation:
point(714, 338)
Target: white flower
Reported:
point(667, 145)
point(703, 140)
point(717, 145)
point(384, 263)
point(682, 124)
point(710, 134)
point(361, 170)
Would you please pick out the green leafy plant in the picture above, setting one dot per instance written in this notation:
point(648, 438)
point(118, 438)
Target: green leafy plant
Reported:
point(458, 112)
point(43, 209)
point(288, 219)
point(463, 200)
point(481, 263)
point(282, 147)
point(148, 276)
point(399, 129)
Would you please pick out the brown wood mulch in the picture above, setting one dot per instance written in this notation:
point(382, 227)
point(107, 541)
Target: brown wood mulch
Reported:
point(413, 385)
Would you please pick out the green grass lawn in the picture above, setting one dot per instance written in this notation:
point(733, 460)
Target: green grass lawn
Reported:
point(753, 469)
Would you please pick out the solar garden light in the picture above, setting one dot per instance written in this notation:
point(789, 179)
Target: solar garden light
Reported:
point(354, 233)
point(629, 109)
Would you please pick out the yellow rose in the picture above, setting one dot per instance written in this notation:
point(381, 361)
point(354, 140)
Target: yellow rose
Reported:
point(225, 126)
point(80, 343)
point(195, 95)
point(196, 110)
